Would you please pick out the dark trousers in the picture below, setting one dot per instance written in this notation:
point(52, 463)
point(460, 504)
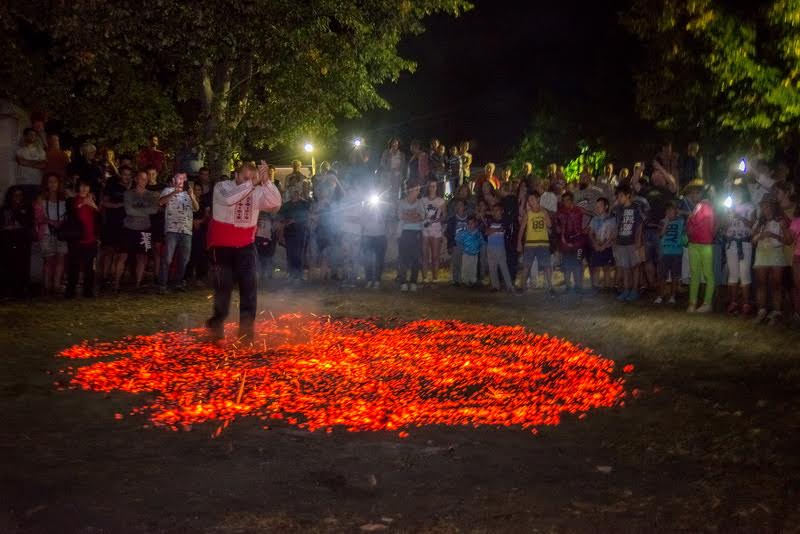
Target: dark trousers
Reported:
point(410, 255)
point(198, 262)
point(512, 258)
point(374, 256)
point(231, 265)
point(295, 236)
point(80, 258)
point(16, 263)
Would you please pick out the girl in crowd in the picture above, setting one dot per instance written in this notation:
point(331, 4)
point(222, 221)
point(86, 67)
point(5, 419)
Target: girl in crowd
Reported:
point(83, 249)
point(15, 244)
point(700, 229)
point(432, 231)
point(739, 249)
point(411, 213)
point(140, 205)
point(51, 211)
point(771, 233)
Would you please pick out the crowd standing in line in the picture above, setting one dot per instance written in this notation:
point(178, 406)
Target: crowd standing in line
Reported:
point(648, 231)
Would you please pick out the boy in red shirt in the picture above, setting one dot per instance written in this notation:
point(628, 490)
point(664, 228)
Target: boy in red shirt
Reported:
point(572, 240)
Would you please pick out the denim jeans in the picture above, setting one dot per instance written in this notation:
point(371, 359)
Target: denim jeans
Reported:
point(374, 255)
point(410, 257)
point(175, 241)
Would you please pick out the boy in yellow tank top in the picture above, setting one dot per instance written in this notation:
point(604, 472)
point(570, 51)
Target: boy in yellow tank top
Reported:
point(534, 241)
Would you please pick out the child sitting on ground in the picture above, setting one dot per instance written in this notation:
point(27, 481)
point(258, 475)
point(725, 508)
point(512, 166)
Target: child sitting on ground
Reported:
point(470, 241)
point(673, 239)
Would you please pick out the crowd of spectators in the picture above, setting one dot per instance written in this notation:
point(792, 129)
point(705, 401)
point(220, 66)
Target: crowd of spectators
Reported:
point(109, 224)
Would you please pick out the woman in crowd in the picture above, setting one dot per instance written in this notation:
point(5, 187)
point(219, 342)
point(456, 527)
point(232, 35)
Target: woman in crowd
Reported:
point(393, 165)
point(140, 205)
point(411, 213)
point(15, 243)
point(770, 235)
point(432, 231)
point(373, 223)
point(82, 250)
point(50, 212)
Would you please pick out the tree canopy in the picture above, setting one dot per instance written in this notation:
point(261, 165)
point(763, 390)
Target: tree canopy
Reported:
point(720, 68)
point(260, 72)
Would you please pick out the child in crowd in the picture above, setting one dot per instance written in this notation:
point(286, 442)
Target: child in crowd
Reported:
point(572, 241)
point(432, 231)
point(454, 171)
point(496, 249)
point(602, 229)
point(770, 234)
point(700, 228)
point(534, 241)
point(471, 242)
point(628, 242)
point(457, 223)
point(672, 241)
point(739, 249)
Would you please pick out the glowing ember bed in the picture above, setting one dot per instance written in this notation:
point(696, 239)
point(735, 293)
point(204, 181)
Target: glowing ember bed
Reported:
point(320, 373)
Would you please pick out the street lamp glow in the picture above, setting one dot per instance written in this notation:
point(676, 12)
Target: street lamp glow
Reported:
point(357, 142)
point(308, 147)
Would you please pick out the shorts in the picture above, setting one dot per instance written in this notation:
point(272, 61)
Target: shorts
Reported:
point(539, 254)
point(739, 268)
point(626, 256)
point(111, 236)
point(137, 241)
point(433, 230)
point(652, 245)
point(51, 246)
point(770, 257)
point(670, 266)
point(601, 258)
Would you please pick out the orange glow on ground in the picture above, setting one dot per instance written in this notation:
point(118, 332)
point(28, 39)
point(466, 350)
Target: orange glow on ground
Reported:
point(319, 373)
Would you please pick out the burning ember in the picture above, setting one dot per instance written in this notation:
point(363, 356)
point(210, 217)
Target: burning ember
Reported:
point(319, 373)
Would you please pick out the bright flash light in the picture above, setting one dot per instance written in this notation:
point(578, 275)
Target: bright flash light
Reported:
point(374, 200)
point(728, 202)
point(308, 147)
point(742, 165)
point(357, 142)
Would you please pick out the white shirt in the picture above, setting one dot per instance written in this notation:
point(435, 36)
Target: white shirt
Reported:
point(30, 175)
point(178, 212)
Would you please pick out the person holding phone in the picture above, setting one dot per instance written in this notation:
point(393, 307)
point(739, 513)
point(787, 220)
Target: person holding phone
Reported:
point(231, 243)
point(180, 203)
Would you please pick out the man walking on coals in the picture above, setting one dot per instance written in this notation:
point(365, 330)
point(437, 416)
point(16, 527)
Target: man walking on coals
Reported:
point(231, 236)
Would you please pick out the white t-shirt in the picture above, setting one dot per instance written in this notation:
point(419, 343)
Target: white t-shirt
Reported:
point(178, 212)
point(549, 201)
point(30, 175)
point(433, 212)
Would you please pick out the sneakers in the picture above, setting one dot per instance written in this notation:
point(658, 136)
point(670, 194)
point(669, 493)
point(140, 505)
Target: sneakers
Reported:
point(624, 295)
point(671, 300)
point(658, 300)
point(704, 308)
point(691, 309)
point(732, 309)
point(413, 288)
point(633, 296)
point(404, 287)
point(774, 317)
point(760, 316)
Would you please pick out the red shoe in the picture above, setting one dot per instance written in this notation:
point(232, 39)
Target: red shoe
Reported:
point(733, 308)
point(747, 309)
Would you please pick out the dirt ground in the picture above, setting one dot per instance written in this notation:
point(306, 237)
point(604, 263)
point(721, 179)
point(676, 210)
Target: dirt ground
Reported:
point(708, 439)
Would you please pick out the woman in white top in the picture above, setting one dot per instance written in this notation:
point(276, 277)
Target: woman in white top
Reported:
point(51, 210)
point(393, 164)
point(432, 230)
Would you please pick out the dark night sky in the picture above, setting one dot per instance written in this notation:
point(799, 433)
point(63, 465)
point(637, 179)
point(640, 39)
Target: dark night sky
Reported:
point(479, 77)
